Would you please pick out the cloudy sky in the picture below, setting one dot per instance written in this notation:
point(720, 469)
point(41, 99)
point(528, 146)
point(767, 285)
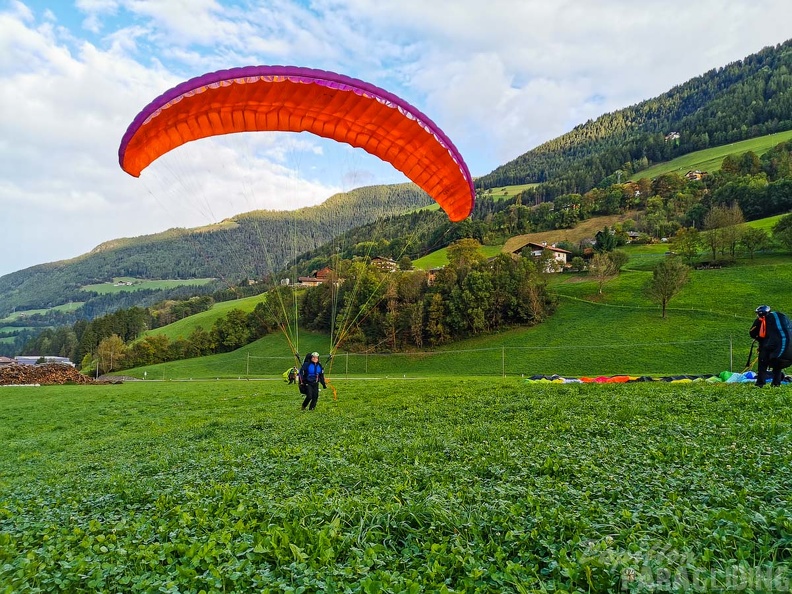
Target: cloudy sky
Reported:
point(498, 76)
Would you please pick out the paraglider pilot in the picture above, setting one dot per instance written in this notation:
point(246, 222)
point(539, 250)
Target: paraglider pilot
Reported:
point(290, 375)
point(311, 375)
point(773, 333)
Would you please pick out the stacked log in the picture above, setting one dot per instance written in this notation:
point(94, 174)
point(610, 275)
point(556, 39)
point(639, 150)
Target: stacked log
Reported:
point(52, 373)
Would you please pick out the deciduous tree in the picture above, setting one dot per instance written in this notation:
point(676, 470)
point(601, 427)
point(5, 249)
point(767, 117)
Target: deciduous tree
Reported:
point(754, 240)
point(668, 278)
point(782, 231)
point(111, 352)
point(687, 243)
point(600, 268)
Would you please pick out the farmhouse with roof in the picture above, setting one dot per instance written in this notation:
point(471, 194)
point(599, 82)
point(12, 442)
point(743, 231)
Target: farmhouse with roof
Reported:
point(317, 278)
point(695, 175)
point(537, 249)
point(385, 264)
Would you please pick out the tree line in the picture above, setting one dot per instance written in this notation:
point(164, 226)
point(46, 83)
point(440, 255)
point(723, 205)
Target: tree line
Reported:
point(369, 308)
point(411, 309)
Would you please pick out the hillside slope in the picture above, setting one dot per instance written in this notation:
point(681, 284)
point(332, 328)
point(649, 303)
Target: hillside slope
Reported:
point(583, 230)
point(745, 99)
point(710, 159)
point(619, 331)
point(249, 245)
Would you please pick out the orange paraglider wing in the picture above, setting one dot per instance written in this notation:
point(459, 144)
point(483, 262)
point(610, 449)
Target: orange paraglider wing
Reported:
point(295, 99)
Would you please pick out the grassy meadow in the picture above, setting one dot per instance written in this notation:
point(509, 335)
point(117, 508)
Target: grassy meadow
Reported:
point(619, 331)
point(584, 229)
point(470, 485)
point(710, 159)
point(186, 326)
point(441, 471)
point(504, 192)
point(30, 312)
point(439, 258)
point(137, 284)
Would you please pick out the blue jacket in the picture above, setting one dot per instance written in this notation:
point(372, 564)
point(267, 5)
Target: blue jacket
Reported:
point(311, 373)
point(777, 340)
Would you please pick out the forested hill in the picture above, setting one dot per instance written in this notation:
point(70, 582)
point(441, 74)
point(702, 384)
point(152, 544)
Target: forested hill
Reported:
point(249, 245)
point(745, 99)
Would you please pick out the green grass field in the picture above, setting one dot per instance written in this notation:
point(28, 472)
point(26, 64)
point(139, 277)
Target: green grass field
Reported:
point(138, 284)
point(710, 159)
point(14, 328)
point(507, 191)
point(501, 193)
point(618, 332)
point(66, 307)
point(398, 486)
point(183, 328)
point(439, 258)
point(766, 224)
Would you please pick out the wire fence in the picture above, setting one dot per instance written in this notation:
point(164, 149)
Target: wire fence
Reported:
point(694, 357)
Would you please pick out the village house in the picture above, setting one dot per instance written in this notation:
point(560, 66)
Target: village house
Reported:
point(537, 249)
point(695, 175)
point(559, 255)
point(632, 235)
point(317, 278)
point(385, 264)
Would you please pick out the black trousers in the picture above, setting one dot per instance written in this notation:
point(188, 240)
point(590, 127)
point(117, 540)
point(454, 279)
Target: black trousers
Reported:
point(765, 364)
point(311, 395)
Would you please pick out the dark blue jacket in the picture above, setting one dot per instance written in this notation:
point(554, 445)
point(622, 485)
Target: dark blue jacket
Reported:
point(777, 341)
point(311, 373)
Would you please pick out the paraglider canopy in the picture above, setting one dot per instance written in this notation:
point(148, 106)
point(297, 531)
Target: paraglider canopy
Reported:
point(296, 99)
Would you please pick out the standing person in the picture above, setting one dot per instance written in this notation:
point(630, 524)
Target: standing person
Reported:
point(311, 375)
point(773, 332)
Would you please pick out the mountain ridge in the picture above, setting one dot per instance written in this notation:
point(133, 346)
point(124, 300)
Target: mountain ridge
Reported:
point(743, 99)
point(228, 249)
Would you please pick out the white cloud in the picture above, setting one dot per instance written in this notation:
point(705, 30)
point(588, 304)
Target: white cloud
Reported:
point(534, 65)
point(63, 191)
point(96, 10)
point(183, 22)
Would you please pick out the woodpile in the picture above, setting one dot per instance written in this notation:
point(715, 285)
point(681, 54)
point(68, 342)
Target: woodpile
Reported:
point(52, 373)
